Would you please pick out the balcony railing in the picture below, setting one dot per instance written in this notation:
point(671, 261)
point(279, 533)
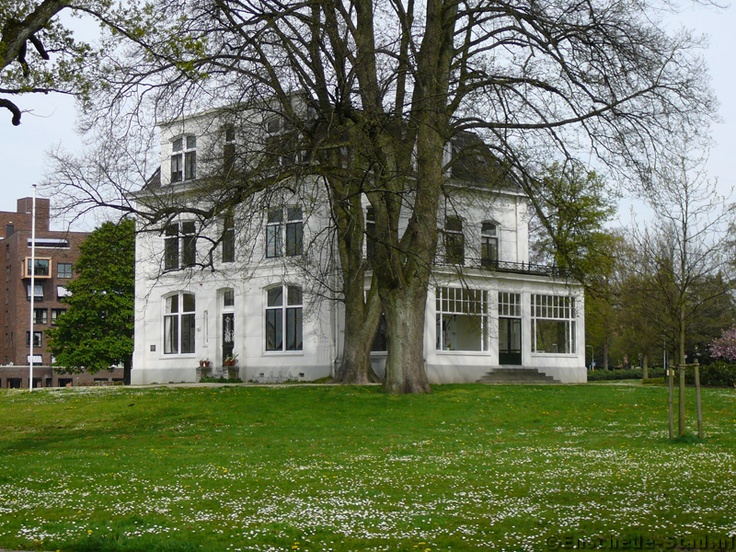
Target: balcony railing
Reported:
point(494, 265)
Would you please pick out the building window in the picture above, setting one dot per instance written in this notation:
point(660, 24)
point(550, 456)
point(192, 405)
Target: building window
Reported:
point(509, 328)
point(380, 342)
point(180, 245)
point(489, 244)
point(184, 158)
point(370, 234)
point(284, 232)
point(40, 316)
point(55, 314)
point(462, 319)
point(40, 268)
point(63, 270)
point(179, 329)
point(284, 319)
point(36, 339)
point(228, 240)
point(62, 292)
point(229, 150)
point(553, 324)
point(454, 241)
point(228, 298)
point(37, 292)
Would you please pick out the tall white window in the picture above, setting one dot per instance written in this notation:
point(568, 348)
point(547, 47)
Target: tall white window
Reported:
point(489, 244)
point(179, 327)
point(553, 324)
point(229, 150)
point(454, 240)
point(462, 319)
point(228, 239)
point(284, 232)
point(184, 158)
point(180, 245)
point(370, 234)
point(284, 319)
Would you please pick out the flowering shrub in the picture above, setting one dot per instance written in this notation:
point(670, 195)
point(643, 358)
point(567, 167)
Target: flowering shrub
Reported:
point(725, 346)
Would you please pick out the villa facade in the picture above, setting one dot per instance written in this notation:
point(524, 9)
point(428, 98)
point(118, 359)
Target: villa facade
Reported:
point(253, 287)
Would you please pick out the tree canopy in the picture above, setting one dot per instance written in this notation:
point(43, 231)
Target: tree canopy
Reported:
point(96, 332)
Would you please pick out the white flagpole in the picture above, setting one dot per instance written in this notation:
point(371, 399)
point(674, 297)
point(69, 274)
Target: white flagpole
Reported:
point(33, 286)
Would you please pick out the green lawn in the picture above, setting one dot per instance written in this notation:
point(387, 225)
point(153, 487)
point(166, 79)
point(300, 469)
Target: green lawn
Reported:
point(468, 467)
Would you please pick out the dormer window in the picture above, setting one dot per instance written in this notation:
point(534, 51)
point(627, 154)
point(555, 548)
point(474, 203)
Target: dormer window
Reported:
point(184, 158)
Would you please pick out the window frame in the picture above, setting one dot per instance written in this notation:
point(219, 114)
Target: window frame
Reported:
point(37, 339)
point(43, 319)
point(68, 270)
point(55, 314)
point(370, 234)
point(179, 324)
point(284, 232)
point(183, 161)
point(454, 240)
point(180, 245)
point(227, 250)
point(489, 243)
point(42, 267)
point(38, 292)
point(553, 314)
point(284, 319)
point(455, 304)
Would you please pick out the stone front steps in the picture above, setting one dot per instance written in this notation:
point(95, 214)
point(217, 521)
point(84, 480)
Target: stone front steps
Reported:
point(516, 375)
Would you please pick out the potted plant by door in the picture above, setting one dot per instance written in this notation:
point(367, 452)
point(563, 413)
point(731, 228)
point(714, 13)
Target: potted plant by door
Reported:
point(231, 362)
point(204, 368)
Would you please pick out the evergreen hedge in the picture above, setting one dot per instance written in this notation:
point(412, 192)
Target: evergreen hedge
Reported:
point(718, 374)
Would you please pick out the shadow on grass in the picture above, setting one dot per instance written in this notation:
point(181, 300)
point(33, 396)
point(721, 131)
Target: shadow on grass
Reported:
point(687, 439)
point(122, 543)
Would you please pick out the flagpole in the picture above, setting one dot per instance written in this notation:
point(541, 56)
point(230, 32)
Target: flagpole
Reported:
point(33, 287)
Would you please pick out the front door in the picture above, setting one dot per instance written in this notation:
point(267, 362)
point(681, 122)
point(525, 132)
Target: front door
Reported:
point(509, 341)
point(228, 334)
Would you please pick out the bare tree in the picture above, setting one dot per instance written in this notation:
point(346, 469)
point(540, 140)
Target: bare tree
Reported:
point(685, 251)
point(392, 82)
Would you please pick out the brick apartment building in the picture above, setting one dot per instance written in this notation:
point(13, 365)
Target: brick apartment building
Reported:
point(55, 255)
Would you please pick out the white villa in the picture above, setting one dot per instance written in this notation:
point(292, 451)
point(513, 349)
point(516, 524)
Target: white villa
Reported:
point(244, 288)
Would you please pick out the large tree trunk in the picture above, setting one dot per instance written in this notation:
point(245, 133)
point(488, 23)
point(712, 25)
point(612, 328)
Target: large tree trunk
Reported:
point(361, 325)
point(405, 309)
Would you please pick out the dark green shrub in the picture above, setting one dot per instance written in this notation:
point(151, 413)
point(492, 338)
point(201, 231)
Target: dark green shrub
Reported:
point(718, 374)
point(612, 375)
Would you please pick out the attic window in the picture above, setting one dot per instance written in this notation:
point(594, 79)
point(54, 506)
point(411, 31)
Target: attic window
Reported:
point(184, 158)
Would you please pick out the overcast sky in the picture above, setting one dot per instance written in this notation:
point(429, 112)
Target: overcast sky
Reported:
point(51, 121)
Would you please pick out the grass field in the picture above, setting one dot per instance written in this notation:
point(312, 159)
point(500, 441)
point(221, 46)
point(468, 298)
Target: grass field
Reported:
point(349, 468)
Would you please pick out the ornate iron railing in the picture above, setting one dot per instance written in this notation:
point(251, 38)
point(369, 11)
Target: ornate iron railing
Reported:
point(494, 265)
